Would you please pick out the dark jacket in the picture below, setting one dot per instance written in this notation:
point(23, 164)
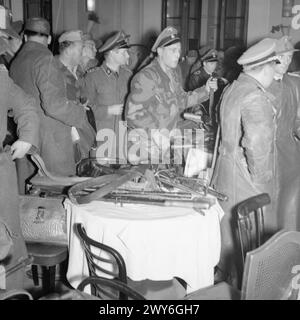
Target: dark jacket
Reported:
point(287, 102)
point(36, 71)
point(246, 162)
point(198, 79)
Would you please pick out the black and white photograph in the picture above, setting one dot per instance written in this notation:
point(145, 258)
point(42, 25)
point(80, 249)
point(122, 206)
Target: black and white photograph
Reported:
point(150, 152)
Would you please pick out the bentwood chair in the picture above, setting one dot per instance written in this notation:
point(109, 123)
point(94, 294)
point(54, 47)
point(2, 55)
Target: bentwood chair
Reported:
point(106, 285)
point(270, 273)
point(15, 294)
point(112, 265)
point(47, 183)
point(250, 220)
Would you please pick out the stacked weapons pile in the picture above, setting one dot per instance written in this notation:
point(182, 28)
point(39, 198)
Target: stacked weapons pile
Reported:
point(141, 185)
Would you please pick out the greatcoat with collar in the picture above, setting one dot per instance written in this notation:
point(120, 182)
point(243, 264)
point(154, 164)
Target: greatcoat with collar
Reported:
point(104, 88)
point(246, 161)
point(25, 115)
point(37, 72)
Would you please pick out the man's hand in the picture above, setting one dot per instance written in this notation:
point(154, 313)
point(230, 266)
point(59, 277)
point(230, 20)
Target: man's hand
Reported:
point(19, 149)
point(212, 83)
point(115, 110)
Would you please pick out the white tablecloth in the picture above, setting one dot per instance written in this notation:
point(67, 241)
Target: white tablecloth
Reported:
point(157, 243)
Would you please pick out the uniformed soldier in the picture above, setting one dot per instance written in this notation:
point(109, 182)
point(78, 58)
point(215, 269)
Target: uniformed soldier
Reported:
point(245, 166)
point(286, 89)
point(157, 98)
point(207, 72)
point(37, 72)
point(106, 88)
point(25, 114)
point(12, 41)
point(71, 44)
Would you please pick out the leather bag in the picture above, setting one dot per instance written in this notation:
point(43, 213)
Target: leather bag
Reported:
point(43, 220)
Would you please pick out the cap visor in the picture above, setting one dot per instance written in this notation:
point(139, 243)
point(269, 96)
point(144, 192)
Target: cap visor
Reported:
point(12, 33)
point(210, 60)
point(287, 51)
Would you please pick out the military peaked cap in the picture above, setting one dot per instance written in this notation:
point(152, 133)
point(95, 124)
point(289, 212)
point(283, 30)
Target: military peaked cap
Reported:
point(118, 41)
point(166, 38)
point(260, 53)
point(210, 56)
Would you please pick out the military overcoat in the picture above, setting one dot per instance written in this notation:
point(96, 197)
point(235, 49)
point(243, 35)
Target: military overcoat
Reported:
point(27, 119)
point(37, 72)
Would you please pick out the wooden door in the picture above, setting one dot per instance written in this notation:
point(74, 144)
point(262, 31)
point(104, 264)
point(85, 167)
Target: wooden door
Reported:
point(233, 21)
point(38, 8)
point(185, 16)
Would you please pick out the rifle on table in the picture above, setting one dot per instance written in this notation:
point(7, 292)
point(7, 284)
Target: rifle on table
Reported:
point(196, 203)
point(196, 187)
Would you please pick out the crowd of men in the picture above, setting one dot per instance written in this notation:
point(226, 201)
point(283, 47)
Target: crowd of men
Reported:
point(61, 103)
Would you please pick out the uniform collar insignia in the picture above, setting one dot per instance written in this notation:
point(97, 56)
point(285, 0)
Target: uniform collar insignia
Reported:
point(92, 69)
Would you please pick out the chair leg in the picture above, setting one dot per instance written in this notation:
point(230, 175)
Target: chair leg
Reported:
point(35, 274)
point(52, 272)
point(49, 279)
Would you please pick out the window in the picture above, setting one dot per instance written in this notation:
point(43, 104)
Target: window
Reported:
point(185, 16)
point(233, 23)
point(223, 22)
point(90, 5)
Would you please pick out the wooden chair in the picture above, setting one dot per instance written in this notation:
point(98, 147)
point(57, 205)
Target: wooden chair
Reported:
point(105, 285)
point(48, 183)
point(269, 273)
point(48, 257)
point(272, 270)
point(250, 220)
point(15, 295)
point(114, 261)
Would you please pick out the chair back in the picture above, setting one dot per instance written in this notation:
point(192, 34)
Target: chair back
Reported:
point(15, 294)
point(251, 223)
point(271, 270)
point(43, 172)
point(99, 264)
point(106, 284)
